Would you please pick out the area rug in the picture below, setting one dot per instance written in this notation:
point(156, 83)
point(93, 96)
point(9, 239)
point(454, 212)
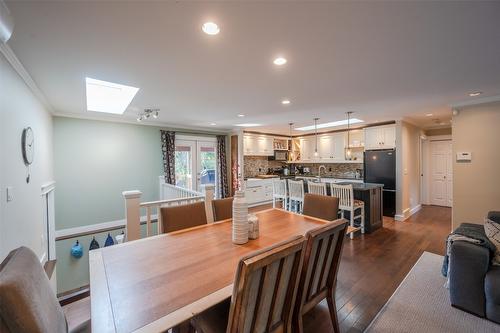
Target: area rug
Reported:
point(422, 304)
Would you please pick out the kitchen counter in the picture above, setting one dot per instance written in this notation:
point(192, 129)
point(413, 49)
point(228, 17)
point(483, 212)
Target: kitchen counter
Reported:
point(362, 186)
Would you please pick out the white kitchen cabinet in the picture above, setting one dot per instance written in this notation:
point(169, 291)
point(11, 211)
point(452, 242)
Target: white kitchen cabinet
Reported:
point(258, 191)
point(257, 145)
point(330, 148)
point(380, 137)
point(307, 146)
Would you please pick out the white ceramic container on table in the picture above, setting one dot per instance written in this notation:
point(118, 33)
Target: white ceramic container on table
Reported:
point(240, 218)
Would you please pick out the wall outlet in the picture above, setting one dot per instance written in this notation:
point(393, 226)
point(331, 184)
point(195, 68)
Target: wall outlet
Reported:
point(10, 193)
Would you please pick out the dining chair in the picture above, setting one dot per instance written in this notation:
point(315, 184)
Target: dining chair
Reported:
point(319, 273)
point(181, 217)
point(296, 194)
point(321, 206)
point(316, 188)
point(280, 193)
point(264, 293)
point(347, 202)
point(222, 209)
point(28, 304)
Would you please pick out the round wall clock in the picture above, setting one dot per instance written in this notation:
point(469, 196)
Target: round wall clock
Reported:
point(28, 148)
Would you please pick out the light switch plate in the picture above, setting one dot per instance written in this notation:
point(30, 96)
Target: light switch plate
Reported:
point(464, 156)
point(10, 193)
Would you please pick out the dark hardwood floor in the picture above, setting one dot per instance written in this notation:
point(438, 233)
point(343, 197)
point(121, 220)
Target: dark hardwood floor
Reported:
point(371, 269)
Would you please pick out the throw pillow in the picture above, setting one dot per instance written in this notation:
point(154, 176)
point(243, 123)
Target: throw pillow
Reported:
point(492, 230)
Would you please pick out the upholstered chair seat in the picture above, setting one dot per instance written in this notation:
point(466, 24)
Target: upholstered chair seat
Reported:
point(180, 217)
point(222, 209)
point(321, 206)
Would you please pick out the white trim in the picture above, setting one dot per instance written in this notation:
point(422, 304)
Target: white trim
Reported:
point(476, 101)
point(48, 187)
point(91, 228)
point(196, 138)
point(23, 73)
point(407, 213)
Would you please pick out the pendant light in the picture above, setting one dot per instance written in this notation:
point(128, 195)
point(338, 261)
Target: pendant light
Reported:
point(290, 156)
point(316, 134)
point(348, 151)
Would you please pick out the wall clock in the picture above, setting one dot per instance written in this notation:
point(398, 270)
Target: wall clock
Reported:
point(28, 148)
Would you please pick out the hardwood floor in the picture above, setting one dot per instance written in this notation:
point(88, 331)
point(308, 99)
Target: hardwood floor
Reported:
point(371, 269)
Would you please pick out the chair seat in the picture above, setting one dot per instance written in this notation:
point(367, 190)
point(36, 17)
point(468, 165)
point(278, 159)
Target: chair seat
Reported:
point(213, 320)
point(358, 203)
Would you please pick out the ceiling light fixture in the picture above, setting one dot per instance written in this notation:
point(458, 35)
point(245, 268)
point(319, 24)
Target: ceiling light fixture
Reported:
point(348, 152)
point(148, 113)
point(109, 97)
point(331, 124)
point(429, 115)
point(285, 102)
point(213, 124)
point(280, 61)
point(290, 145)
point(475, 93)
point(241, 115)
point(248, 125)
point(210, 28)
point(316, 136)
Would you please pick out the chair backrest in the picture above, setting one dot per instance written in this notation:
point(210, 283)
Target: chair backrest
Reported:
point(321, 206)
point(183, 216)
point(296, 189)
point(321, 264)
point(222, 209)
point(28, 304)
point(279, 188)
point(345, 194)
point(265, 288)
point(316, 188)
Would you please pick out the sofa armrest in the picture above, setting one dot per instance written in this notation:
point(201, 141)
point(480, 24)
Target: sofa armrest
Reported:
point(468, 266)
point(494, 216)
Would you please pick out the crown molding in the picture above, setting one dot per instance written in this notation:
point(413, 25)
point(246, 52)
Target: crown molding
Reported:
point(476, 101)
point(25, 76)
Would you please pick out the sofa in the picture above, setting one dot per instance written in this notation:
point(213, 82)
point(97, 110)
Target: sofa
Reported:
point(474, 282)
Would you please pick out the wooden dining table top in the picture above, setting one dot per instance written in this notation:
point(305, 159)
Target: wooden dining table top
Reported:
point(155, 283)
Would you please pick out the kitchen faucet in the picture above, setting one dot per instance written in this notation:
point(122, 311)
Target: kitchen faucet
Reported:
point(319, 170)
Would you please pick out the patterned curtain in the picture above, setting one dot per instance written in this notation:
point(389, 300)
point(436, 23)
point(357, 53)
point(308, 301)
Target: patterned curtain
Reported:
point(168, 151)
point(221, 185)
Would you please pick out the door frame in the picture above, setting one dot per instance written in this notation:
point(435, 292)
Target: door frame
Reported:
point(426, 165)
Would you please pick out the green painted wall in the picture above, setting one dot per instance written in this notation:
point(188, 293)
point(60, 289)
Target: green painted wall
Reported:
point(94, 162)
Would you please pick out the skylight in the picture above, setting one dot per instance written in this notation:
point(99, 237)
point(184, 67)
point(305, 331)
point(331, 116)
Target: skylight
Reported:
point(108, 97)
point(331, 124)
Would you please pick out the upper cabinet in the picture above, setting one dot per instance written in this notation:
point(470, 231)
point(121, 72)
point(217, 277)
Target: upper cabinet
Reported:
point(330, 148)
point(380, 137)
point(258, 145)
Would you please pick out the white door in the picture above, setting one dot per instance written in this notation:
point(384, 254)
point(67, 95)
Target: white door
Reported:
point(194, 163)
point(441, 173)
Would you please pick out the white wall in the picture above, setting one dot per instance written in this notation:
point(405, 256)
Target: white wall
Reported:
point(407, 170)
point(21, 221)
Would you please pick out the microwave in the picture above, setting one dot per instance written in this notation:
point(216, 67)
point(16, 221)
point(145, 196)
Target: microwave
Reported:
point(280, 155)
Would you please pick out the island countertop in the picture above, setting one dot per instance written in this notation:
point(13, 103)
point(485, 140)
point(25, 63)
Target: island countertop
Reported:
point(362, 186)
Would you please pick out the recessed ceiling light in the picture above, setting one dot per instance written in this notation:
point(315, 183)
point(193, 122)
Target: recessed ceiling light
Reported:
point(248, 125)
point(109, 97)
point(475, 93)
point(213, 124)
point(210, 28)
point(429, 115)
point(241, 115)
point(279, 61)
point(285, 102)
point(331, 124)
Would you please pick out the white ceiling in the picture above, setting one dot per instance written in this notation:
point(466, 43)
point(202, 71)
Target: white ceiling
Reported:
point(384, 61)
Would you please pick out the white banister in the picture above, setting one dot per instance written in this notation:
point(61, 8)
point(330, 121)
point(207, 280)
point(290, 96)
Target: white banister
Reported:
point(132, 214)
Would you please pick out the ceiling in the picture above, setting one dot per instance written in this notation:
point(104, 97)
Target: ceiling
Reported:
point(384, 61)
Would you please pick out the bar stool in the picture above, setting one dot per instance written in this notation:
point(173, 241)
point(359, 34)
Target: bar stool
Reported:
point(296, 194)
point(347, 202)
point(279, 193)
point(316, 188)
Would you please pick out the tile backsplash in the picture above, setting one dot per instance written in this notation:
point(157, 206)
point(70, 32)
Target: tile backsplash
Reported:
point(258, 165)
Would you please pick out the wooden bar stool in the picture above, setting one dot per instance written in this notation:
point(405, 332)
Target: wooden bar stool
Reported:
point(345, 193)
point(280, 193)
point(296, 194)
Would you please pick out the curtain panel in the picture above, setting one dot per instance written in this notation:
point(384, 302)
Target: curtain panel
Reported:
point(168, 152)
point(221, 184)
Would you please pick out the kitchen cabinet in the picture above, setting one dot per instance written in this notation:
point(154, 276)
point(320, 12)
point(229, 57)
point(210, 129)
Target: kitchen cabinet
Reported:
point(330, 148)
point(307, 147)
point(258, 191)
point(258, 145)
point(380, 137)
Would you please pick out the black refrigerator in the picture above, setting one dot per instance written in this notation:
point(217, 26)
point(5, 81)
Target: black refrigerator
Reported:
point(380, 168)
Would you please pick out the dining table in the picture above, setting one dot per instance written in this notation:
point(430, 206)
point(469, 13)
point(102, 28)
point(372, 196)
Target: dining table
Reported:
point(156, 283)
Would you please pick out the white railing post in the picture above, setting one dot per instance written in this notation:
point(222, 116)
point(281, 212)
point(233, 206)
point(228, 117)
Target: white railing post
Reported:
point(132, 214)
point(209, 191)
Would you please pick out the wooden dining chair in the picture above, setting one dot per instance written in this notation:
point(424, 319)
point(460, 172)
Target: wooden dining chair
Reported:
point(181, 217)
point(264, 293)
point(316, 188)
point(321, 206)
point(27, 303)
point(319, 272)
point(222, 209)
point(345, 193)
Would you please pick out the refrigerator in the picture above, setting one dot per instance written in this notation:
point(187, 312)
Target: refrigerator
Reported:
point(380, 168)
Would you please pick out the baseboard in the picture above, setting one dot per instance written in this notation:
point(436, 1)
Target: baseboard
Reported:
point(407, 213)
point(73, 295)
